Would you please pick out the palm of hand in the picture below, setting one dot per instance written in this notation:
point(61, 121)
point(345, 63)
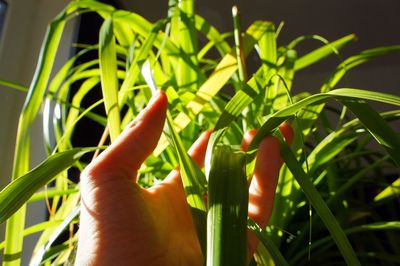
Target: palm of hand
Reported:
point(150, 227)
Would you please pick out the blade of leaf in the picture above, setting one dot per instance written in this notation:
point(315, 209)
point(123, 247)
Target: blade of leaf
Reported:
point(15, 225)
point(377, 126)
point(323, 52)
point(50, 192)
point(13, 85)
point(186, 75)
point(392, 190)
point(109, 81)
point(357, 60)
point(212, 34)
point(14, 195)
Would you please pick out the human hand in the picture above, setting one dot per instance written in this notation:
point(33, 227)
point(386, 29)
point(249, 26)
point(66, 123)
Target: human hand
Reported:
point(124, 224)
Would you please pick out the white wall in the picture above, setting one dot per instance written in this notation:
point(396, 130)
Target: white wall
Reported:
point(19, 48)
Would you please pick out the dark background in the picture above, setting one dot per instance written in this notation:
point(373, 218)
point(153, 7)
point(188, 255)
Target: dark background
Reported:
point(376, 23)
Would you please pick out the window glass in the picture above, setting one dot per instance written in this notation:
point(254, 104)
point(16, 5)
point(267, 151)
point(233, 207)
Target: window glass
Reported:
point(3, 10)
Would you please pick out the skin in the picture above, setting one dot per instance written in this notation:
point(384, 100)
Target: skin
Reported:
point(124, 224)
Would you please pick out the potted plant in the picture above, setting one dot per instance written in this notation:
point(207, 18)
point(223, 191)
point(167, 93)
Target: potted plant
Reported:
point(320, 194)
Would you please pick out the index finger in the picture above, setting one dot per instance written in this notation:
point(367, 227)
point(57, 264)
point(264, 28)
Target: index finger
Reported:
point(124, 156)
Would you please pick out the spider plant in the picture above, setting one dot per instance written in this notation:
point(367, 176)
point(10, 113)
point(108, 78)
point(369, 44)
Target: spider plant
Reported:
point(334, 197)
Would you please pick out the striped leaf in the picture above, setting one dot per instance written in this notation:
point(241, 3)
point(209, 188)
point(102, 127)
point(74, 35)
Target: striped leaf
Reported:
point(109, 80)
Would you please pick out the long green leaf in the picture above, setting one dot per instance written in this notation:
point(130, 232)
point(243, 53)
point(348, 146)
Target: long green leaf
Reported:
point(212, 34)
point(15, 225)
point(357, 60)
point(227, 208)
point(91, 5)
point(186, 75)
point(52, 192)
point(14, 195)
point(323, 52)
point(377, 126)
point(392, 190)
point(109, 80)
point(13, 85)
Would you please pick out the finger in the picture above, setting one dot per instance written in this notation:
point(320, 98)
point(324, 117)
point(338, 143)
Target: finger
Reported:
point(264, 181)
point(287, 132)
point(284, 128)
point(197, 152)
point(125, 155)
point(247, 138)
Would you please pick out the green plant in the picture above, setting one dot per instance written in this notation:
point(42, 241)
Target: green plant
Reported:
point(331, 168)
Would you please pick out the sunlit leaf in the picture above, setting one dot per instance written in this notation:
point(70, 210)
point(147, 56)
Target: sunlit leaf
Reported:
point(109, 81)
point(13, 196)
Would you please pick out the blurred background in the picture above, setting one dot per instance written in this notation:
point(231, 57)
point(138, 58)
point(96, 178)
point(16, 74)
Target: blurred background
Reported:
point(23, 25)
